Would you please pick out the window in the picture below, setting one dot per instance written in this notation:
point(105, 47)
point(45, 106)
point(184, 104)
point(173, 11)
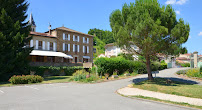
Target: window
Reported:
point(66, 36)
point(76, 38)
point(76, 50)
point(85, 60)
point(40, 45)
point(66, 47)
point(51, 46)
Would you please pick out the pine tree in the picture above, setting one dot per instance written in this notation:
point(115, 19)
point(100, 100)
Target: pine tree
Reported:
point(13, 38)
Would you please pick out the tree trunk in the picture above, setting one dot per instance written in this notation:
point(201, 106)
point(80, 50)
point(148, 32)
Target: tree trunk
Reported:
point(150, 77)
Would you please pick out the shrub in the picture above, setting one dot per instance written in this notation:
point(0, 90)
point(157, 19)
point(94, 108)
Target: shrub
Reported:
point(81, 75)
point(25, 79)
point(194, 73)
point(181, 72)
point(155, 66)
point(185, 64)
point(109, 65)
point(163, 65)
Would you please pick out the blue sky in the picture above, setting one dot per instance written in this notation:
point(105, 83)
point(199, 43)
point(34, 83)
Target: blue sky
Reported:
point(82, 15)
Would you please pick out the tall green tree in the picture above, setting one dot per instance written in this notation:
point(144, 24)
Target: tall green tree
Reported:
point(13, 33)
point(104, 35)
point(150, 26)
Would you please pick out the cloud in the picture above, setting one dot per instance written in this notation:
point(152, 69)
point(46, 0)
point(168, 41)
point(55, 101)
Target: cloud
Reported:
point(200, 34)
point(178, 2)
point(178, 12)
point(181, 2)
point(171, 2)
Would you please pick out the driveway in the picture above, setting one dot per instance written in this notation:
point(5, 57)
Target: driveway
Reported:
point(74, 96)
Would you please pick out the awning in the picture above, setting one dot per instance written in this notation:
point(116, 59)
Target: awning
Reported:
point(50, 53)
point(86, 57)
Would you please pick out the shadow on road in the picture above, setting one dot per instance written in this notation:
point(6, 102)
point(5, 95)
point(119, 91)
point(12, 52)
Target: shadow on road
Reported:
point(162, 81)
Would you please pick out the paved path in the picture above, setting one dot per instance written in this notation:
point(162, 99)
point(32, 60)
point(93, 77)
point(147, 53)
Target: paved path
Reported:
point(139, 92)
point(74, 96)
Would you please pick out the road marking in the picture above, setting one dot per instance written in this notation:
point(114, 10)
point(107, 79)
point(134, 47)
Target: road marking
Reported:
point(1, 91)
point(32, 87)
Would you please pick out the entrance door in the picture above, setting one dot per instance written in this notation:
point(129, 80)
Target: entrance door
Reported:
point(75, 59)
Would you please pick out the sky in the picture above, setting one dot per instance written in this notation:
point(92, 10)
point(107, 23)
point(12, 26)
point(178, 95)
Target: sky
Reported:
point(82, 15)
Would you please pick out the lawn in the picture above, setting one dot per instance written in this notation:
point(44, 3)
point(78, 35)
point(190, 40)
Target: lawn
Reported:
point(176, 88)
point(56, 79)
point(49, 79)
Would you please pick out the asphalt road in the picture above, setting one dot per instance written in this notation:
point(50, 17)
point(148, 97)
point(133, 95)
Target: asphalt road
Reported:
point(74, 96)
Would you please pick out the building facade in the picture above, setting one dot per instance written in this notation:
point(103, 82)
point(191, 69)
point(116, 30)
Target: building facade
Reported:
point(60, 47)
point(113, 50)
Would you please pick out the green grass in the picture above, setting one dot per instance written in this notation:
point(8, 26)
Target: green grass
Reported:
point(176, 88)
point(57, 79)
point(49, 79)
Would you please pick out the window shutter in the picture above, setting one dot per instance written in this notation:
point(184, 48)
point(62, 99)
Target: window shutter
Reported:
point(37, 44)
point(48, 45)
point(83, 39)
point(68, 36)
point(73, 47)
point(43, 45)
point(68, 47)
point(63, 46)
point(87, 49)
point(31, 43)
point(87, 40)
point(78, 38)
point(54, 46)
point(63, 36)
point(77, 48)
point(73, 37)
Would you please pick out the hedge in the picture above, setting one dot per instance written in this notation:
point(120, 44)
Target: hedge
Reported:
point(40, 70)
point(109, 65)
point(25, 79)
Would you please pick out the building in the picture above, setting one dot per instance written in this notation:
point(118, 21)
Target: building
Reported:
point(60, 47)
point(113, 50)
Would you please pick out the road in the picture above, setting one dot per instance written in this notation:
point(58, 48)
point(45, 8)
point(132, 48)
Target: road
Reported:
point(74, 96)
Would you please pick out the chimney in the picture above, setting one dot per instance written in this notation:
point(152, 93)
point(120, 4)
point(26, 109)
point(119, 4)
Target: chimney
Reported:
point(49, 29)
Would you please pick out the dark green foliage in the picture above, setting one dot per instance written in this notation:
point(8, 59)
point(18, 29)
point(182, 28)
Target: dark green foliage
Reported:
point(105, 36)
point(185, 64)
point(13, 33)
point(25, 79)
point(55, 70)
point(109, 65)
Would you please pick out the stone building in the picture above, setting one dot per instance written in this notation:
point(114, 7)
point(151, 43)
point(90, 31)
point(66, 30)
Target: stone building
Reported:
point(60, 47)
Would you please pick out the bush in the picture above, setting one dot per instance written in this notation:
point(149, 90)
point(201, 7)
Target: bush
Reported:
point(83, 76)
point(194, 73)
point(181, 72)
point(163, 65)
point(25, 79)
point(109, 65)
point(185, 64)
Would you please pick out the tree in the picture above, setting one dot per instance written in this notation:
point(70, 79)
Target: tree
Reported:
point(150, 26)
point(105, 36)
point(13, 33)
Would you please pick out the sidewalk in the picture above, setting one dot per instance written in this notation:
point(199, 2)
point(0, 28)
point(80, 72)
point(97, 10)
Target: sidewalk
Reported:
point(136, 92)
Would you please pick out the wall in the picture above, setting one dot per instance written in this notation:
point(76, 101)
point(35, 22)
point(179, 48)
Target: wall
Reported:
point(79, 54)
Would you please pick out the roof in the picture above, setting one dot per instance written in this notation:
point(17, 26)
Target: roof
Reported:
point(50, 53)
point(188, 54)
point(31, 20)
point(42, 34)
point(182, 58)
point(70, 30)
point(111, 44)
